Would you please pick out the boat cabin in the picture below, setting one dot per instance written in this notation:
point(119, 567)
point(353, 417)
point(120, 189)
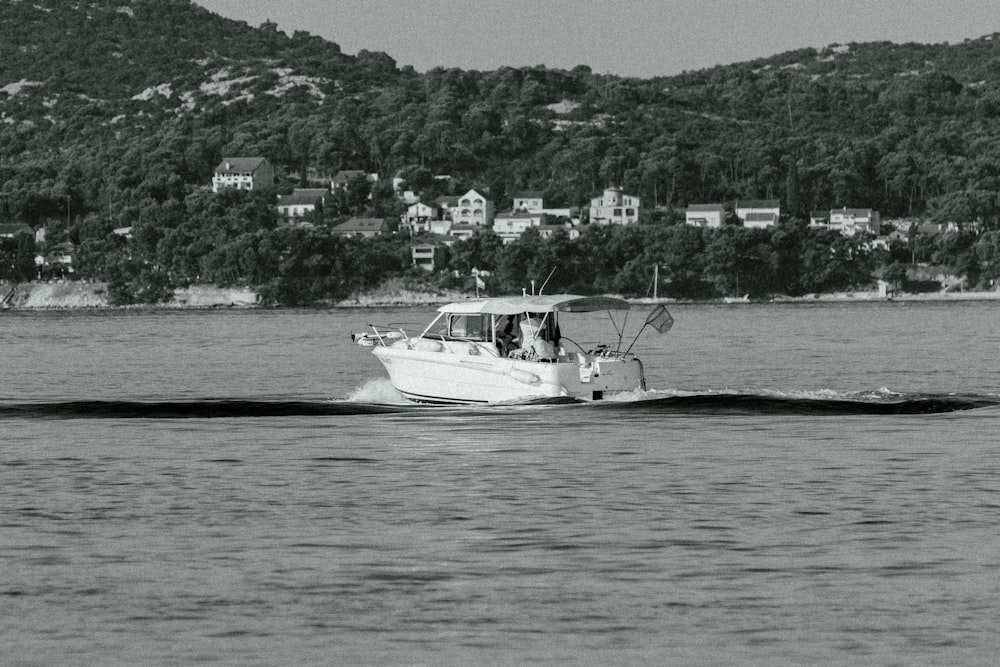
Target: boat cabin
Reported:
point(526, 327)
point(528, 331)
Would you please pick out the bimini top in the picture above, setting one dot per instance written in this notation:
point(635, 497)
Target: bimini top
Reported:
point(550, 303)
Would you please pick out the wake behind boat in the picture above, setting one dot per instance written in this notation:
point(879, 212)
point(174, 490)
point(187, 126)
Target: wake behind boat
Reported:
point(505, 349)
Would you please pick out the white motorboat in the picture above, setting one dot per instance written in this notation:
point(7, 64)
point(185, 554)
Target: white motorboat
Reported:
point(508, 349)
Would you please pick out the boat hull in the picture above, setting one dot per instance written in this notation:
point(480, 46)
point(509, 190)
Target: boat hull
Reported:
point(470, 375)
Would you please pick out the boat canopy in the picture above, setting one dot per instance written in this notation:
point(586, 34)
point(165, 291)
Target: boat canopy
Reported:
point(550, 303)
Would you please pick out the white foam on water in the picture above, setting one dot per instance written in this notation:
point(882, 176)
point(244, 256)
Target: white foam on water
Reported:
point(637, 395)
point(379, 391)
point(881, 394)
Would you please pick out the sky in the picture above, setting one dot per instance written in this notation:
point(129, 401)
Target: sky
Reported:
point(640, 38)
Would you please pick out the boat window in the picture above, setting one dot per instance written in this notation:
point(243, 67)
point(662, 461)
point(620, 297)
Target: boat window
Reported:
point(469, 327)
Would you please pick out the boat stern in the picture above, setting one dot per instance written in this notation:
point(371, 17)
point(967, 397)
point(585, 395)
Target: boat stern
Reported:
point(596, 377)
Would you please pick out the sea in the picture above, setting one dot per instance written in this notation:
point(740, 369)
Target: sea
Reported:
point(806, 483)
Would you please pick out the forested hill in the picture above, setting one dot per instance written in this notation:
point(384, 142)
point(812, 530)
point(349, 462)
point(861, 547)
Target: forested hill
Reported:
point(114, 112)
point(100, 85)
point(163, 88)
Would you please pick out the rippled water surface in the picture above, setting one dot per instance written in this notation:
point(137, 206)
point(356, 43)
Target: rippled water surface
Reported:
point(801, 484)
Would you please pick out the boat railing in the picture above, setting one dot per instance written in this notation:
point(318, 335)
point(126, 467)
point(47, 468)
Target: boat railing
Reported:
point(446, 339)
point(607, 352)
point(598, 351)
point(387, 333)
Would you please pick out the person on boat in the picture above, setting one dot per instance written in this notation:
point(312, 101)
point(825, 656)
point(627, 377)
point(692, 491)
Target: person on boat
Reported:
point(534, 338)
point(505, 335)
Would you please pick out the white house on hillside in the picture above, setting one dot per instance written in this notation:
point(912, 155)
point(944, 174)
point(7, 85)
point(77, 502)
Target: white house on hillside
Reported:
point(759, 214)
point(851, 221)
point(705, 215)
point(473, 209)
point(533, 202)
point(463, 230)
point(418, 216)
point(301, 202)
point(847, 221)
point(548, 231)
point(440, 227)
point(511, 224)
point(528, 201)
point(614, 208)
point(819, 219)
point(243, 173)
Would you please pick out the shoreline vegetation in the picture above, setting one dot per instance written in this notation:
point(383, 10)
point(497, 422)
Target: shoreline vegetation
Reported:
point(70, 295)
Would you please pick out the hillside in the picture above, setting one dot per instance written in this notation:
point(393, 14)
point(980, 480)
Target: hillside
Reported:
point(113, 113)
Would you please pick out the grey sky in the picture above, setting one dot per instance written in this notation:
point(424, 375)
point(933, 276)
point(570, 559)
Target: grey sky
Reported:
point(627, 37)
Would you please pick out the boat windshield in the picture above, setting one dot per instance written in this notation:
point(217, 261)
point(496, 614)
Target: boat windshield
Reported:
point(469, 327)
point(466, 327)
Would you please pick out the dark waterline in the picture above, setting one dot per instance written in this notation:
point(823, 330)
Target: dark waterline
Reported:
point(713, 404)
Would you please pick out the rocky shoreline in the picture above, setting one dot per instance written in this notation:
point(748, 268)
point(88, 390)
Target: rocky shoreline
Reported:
point(876, 296)
point(70, 295)
point(402, 297)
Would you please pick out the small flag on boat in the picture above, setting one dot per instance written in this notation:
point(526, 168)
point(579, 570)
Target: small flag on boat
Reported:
point(660, 320)
point(480, 283)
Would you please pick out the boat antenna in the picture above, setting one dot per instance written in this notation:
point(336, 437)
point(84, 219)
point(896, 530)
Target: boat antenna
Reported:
point(542, 288)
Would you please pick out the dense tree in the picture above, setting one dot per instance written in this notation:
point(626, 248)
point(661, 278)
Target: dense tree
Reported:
point(24, 257)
